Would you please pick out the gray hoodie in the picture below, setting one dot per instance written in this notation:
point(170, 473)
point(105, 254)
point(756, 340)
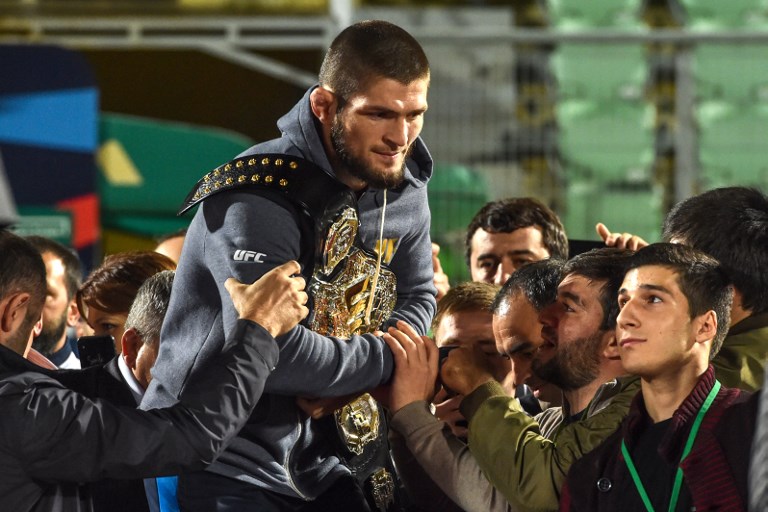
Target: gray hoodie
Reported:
point(279, 449)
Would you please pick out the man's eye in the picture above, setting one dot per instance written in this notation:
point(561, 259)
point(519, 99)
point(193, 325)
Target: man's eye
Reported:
point(654, 299)
point(524, 355)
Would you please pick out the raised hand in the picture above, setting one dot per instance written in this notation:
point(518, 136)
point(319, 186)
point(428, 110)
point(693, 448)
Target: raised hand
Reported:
point(619, 240)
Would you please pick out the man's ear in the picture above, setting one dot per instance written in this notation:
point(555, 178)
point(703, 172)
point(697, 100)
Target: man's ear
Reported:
point(13, 311)
point(324, 105)
point(705, 326)
point(73, 314)
point(611, 344)
point(38, 327)
point(131, 343)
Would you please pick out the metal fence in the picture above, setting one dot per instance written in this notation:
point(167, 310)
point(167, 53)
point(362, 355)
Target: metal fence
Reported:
point(605, 111)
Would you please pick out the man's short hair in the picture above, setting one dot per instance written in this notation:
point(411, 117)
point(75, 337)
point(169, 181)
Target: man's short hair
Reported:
point(148, 309)
point(112, 287)
point(606, 264)
point(22, 271)
point(468, 296)
point(508, 215)
point(730, 224)
point(369, 50)
point(702, 279)
point(537, 281)
point(73, 270)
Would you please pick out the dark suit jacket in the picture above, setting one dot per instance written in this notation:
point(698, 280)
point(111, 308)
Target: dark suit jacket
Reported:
point(107, 383)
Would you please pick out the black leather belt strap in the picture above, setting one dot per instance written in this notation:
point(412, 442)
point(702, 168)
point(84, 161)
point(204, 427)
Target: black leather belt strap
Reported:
point(301, 180)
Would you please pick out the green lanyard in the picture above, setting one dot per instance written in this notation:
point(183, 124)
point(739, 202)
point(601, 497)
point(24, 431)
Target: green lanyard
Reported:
point(688, 445)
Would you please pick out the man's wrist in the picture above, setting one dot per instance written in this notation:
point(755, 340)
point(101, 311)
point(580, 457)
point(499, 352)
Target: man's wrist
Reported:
point(397, 404)
point(479, 396)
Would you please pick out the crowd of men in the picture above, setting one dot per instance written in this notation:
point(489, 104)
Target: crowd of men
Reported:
point(285, 364)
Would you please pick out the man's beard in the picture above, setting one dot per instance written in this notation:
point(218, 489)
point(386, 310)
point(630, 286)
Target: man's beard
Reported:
point(574, 365)
point(356, 166)
point(50, 336)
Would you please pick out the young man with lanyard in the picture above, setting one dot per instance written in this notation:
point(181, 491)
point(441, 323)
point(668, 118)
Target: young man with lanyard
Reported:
point(686, 441)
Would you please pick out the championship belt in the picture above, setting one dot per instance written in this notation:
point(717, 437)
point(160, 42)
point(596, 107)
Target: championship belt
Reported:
point(350, 293)
point(349, 298)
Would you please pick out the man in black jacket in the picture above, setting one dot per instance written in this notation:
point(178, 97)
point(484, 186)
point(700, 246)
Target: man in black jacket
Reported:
point(52, 439)
point(122, 381)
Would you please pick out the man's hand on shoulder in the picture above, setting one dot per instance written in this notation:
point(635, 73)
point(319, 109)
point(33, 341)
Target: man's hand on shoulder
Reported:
point(276, 301)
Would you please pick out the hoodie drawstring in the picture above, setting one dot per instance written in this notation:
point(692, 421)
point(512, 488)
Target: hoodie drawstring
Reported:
point(378, 262)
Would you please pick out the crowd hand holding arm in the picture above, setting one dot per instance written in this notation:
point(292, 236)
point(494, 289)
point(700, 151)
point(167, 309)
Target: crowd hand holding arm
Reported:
point(415, 371)
point(465, 369)
point(276, 301)
point(619, 240)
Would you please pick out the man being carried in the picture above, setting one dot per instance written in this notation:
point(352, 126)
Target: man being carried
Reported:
point(354, 136)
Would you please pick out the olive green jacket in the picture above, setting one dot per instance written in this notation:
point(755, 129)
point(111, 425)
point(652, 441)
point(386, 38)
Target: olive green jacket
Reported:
point(741, 360)
point(523, 464)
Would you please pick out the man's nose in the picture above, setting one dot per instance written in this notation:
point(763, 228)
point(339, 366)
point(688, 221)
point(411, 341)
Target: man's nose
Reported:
point(503, 272)
point(547, 316)
point(397, 134)
point(626, 315)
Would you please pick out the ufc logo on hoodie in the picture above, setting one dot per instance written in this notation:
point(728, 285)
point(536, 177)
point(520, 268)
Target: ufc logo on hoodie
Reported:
point(256, 257)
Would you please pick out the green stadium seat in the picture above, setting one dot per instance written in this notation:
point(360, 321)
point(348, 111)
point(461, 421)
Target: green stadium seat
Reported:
point(609, 141)
point(732, 142)
point(455, 194)
point(734, 73)
point(706, 15)
point(625, 206)
point(600, 72)
point(581, 14)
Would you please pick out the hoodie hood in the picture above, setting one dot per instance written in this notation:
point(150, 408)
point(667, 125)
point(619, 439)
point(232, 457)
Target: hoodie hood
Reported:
point(301, 128)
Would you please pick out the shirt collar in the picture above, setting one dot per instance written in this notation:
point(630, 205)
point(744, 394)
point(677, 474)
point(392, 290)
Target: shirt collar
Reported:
point(136, 390)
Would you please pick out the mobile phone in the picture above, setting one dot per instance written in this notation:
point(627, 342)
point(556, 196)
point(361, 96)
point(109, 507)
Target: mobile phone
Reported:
point(95, 350)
